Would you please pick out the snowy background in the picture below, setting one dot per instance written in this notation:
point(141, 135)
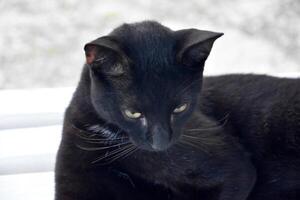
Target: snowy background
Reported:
point(41, 42)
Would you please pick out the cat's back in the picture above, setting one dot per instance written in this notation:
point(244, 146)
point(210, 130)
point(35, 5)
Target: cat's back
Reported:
point(254, 86)
point(250, 92)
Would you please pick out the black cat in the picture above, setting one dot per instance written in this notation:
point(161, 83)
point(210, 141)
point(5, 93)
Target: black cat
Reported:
point(138, 126)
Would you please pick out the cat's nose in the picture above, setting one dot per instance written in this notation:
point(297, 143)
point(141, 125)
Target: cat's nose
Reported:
point(160, 138)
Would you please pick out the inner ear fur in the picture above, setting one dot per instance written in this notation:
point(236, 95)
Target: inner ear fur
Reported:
point(105, 55)
point(100, 46)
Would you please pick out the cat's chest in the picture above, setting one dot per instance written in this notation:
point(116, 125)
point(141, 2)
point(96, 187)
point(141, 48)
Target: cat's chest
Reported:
point(173, 169)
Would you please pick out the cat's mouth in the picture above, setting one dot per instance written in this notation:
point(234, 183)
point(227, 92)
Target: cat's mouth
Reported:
point(153, 144)
point(154, 147)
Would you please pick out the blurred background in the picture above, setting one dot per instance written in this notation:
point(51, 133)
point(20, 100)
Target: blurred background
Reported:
point(41, 42)
point(41, 56)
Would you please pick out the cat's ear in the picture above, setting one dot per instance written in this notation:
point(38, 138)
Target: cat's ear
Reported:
point(194, 46)
point(104, 55)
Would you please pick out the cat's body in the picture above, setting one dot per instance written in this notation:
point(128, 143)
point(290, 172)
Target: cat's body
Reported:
point(241, 141)
point(265, 114)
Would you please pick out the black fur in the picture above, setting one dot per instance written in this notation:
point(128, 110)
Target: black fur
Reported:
point(238, 138)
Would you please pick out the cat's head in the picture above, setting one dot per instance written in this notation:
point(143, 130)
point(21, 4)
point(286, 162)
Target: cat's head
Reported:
point(146, 78)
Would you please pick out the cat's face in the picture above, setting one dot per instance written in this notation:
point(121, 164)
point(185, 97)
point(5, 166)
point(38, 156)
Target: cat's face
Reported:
point(146, 79)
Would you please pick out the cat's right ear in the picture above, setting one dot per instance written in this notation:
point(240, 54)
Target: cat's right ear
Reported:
point(104, 55)
point(194, 46)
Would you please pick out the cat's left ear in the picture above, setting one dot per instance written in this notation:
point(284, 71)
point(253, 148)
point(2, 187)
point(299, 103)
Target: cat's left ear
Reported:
point(105, 56)
point(194, 46)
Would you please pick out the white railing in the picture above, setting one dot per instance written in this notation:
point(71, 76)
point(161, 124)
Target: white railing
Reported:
point(30, 132)
point(30, 128)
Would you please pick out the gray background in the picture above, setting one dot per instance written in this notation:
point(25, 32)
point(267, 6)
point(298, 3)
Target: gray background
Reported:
point(41, 42)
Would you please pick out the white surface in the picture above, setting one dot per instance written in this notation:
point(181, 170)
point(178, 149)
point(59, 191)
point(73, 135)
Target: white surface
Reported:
point(32, 108)
point(32, 186)
point(28, 150)
point(30, 130)
point(46, 100)
point(23, 151)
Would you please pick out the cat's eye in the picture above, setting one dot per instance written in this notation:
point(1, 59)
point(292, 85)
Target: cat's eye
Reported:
point(180, 108)
point(132, 115)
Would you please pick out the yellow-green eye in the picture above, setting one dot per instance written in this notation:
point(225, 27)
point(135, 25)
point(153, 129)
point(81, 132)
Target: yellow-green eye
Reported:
point(180, 108)
point(132, 115)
